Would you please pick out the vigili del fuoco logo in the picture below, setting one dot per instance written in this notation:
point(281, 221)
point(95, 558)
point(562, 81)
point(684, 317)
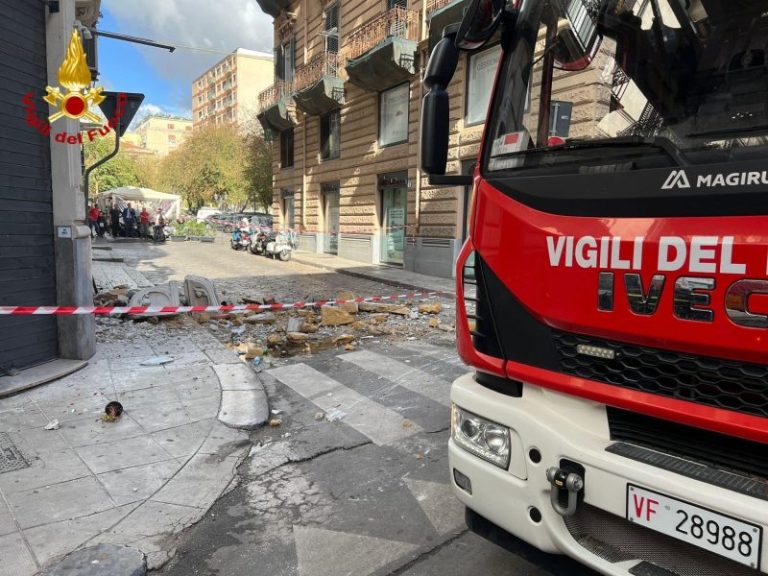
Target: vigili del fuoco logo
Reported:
point(78, 101)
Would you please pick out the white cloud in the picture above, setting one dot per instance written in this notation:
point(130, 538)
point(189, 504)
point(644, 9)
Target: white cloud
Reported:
point(220, 25)
point(150, 109)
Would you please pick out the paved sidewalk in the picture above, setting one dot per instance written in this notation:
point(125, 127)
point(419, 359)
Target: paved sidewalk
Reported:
point(138, 481)
point(386, 274)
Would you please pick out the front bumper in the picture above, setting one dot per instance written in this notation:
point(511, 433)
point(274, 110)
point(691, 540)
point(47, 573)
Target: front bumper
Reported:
point(559, 427)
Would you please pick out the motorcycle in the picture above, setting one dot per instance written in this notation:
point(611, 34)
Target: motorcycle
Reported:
point(240, 239)
point(281, 245)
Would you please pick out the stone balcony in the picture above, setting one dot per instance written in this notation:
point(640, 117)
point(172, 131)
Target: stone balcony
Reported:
point(441, 13)
point(273, 7)
point(276, 108)
point(318, 87)
point(382, 52)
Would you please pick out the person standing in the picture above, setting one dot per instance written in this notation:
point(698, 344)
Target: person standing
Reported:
point(129, 219)
point(114, 215)
point(144, 222)
point(93, 220)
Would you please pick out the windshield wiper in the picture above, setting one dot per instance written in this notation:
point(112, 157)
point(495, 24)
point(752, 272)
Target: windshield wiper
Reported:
point(657, 142)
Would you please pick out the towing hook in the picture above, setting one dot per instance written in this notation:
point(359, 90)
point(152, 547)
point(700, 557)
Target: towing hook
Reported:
point(564, 482)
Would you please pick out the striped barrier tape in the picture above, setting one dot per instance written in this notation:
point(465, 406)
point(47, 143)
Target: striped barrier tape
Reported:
point(118, 310)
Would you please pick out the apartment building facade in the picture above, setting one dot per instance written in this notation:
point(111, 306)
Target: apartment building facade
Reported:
point(162, 134)
point(227, 93)
point(344, 116)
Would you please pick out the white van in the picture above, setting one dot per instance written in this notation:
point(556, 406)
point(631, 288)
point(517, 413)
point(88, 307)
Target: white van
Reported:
point(204, 212)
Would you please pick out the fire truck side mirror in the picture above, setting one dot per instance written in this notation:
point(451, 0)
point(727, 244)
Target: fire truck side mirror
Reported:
point(480, 22)
point(434, 112)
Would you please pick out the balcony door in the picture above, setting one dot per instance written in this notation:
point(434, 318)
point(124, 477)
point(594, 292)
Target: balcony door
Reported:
point(331, 211)
point(394, 208)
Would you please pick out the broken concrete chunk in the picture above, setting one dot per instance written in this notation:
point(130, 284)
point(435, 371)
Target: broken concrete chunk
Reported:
point(263, 318)
point(445, 327)
point(384, 308)
point(297, 337)
point(294, 325)
point(203, 318)
point(308, 327)
point(275, 339)
point(348, 306)
point(332, 316)
point(344, 339)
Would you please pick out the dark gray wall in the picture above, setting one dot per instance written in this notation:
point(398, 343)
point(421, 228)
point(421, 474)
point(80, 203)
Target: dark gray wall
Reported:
point(27, 267)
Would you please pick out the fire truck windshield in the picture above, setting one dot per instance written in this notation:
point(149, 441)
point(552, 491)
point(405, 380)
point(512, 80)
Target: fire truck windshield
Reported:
point(647, 83)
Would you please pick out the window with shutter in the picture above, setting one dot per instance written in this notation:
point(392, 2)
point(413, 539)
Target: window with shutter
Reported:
point(332, 29)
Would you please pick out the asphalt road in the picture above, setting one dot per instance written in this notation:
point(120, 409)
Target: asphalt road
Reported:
point(366, 493)
point(354, 481)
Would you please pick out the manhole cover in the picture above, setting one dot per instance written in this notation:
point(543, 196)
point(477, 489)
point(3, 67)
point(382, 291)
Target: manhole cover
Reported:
point(10, 457)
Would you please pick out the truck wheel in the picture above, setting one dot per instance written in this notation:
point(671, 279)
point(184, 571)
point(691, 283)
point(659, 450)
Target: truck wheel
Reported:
point(284, 255)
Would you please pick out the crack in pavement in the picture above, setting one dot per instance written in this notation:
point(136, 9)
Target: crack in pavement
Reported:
point(427, 554)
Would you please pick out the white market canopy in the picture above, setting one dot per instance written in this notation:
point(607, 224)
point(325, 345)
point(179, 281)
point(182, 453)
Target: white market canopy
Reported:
point(169, 203)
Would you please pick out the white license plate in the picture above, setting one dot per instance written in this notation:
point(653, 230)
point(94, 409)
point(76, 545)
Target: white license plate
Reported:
point(734, 539)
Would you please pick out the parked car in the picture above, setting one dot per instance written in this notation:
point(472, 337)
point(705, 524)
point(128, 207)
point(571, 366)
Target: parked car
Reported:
point(261, 220)
point(205, 212)
point(222, 222)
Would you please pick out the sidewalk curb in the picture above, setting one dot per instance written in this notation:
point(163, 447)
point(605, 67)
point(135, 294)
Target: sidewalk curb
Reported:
point(244, 404)
point(364, 276)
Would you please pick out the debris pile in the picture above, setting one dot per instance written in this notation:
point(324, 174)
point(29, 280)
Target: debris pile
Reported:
point(257, 336)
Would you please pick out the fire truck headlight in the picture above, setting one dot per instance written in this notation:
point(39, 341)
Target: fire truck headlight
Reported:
point(481, 437)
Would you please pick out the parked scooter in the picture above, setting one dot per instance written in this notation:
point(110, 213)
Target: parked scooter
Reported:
point(281, 245)
point(240, 239)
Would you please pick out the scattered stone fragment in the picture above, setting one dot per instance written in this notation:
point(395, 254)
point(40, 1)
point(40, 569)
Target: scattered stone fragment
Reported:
point(344, 339)
point(335, 415)
point(350, 307)
point(434, 322)
point(297, 337)
point(274, 339)
point(275, 422)
point(53, 425)
point(385, 308)
point(332, 316)
point(407, 423)
point(252, 351)
point(445, 327)
point(378, 318)
point(308, 327)
point(294, 325)
point(319, 416)
point(349, 347)
point(263, 318)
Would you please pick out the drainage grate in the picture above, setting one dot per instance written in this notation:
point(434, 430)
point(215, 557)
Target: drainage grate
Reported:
point(10, 457)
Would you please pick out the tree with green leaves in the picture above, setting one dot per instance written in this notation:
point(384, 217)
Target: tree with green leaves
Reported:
point(119, 171)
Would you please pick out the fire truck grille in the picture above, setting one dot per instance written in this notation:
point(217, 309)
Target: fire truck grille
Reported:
point(615, 539)
point(726, 384)
point(733, 463)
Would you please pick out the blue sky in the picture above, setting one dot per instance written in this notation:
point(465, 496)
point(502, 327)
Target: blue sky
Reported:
point(166, 78)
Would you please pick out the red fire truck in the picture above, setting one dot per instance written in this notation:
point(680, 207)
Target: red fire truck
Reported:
point(613, 293)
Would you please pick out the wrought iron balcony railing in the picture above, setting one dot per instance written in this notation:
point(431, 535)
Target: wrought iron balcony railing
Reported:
point(398, 22)
point(433, 5)
point(324, 64)
point(274, 93)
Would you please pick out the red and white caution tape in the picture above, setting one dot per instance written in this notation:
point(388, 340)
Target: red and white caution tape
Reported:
point(119, 310)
